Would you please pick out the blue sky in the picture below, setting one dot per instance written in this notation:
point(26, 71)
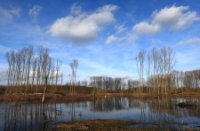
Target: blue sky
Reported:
point(104, 35)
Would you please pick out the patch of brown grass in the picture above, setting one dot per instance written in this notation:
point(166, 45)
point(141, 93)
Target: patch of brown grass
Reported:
point(62, 93)
point(99, 124)
point(104, 125)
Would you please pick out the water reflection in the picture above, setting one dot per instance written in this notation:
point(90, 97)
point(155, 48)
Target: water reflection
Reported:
point(23, 116)
point(109, 104)
point(147, 113)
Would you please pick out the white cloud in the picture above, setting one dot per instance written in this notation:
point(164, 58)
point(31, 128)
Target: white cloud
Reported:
point(131, 37)
point(35, 11)
point(145, 28)
point(111, 39)
point(194, 40)
point(120, 28)
point(8, 14)
point(117, 35)
point(75, 9)
point(83, 27)
point(173, 18)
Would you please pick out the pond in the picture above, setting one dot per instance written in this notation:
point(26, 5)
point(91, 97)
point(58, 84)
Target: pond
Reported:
point(147, 113)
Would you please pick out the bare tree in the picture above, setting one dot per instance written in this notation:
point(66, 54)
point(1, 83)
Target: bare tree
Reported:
point(140, 59)
point(167, 62)
point(73, 65)
point(8, 56)
point(34, 70)
point(28, 63)
point(58, 64)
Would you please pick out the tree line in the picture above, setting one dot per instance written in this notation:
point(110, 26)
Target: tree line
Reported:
point(155, 69)
point(28, 67)
point(107, 83)
point(156, 73)
point(158, 65)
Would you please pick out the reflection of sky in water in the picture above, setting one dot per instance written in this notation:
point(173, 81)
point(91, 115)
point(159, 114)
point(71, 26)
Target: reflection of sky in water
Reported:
point(134, 113)
point(156, 114)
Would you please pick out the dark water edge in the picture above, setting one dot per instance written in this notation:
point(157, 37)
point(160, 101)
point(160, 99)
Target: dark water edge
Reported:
point(144, 114)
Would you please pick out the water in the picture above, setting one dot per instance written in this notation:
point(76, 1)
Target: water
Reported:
point(151, 113)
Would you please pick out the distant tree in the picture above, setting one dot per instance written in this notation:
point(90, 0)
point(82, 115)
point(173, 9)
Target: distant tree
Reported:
point(140, 59)
point(34, 64)
point(74, 66)
point(28, 63)
point(167, 62)
point(26, 68)
point(9, 60)
point(58, 64)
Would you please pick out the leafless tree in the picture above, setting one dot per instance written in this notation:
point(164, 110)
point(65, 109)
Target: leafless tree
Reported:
point(73, 65)
point(28, 63)
point(8, 56)
point(140, 59)
point(58, 64)
point(34, 70)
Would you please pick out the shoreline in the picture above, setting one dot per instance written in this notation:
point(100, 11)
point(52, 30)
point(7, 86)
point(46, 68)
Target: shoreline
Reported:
point(76, 97)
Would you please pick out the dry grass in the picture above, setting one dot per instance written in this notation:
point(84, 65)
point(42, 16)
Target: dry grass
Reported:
point(62, 93)
point(98, 125)
point(106, 125)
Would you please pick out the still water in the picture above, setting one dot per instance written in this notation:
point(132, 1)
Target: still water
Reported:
point(149, 113)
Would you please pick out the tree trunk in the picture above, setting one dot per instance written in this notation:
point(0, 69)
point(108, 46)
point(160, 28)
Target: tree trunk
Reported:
point(45, 88)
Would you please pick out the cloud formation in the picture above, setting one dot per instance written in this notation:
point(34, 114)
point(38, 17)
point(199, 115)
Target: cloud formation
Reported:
point(111, 39)
point(75, 9)
point(83, 27)
point(120, 28)
point(35, 11)
point(7, 15)
point(191, 41)
point(172, 18)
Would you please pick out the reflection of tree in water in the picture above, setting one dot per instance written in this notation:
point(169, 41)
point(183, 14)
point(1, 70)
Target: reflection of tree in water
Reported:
point(157, 109)
point(169, 106)
point(193, 111)
point(109, 104)
point(142, 111)
point(113, 103)
point(74, 114)
point(72, 111)
point(166, 110)
point(21, 117)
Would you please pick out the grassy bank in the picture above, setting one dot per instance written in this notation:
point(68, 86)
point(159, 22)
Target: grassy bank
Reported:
point(63, 94)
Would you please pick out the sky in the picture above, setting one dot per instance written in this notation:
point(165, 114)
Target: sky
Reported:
point(103, 35)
